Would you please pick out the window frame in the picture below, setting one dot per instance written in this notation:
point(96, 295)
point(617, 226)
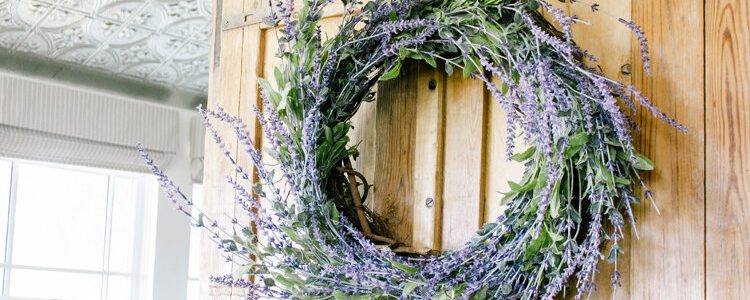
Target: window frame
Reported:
point(140, 182)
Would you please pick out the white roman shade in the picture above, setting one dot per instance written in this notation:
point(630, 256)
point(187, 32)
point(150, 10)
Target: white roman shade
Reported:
point(51, 122)
point(197, 139)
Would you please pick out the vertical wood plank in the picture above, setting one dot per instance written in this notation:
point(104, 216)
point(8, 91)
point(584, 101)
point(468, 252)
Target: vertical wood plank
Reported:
point(727, 149)
point(463, 189)
point(611, 42)
point(668, 260)
point(224, 91)
point(499, 169)
point(394, 169)
point(428, 158)
point(364, 134)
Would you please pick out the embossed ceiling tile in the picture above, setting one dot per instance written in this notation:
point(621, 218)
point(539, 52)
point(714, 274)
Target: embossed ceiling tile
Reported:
point(58, 18)
point(142, 70)
point(6, 17)
point(196, 29)
point(152, 16)
point(191, 51)
point(152, 40)
point(131, 55)
point(111, 33)
point(86, 7)
point(72, 35)
point(193, 68)
point(165, 74)
point(122, 12)
point(177, 10)
point(205, 6)
point(31, 12)
point(35, 42)
point(77, 55)
point(104, 60)
point(9, 37)
point(129, 35)
point(100, 32)
point(166, 46)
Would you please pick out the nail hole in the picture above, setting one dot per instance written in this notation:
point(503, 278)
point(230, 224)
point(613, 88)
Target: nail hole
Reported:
point(432, 84)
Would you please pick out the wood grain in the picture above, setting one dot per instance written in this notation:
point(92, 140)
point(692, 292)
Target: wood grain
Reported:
point(428, 158)
point(463, 189)
point(611, 42)
point(498, 168)
point(694, 250)
point(727, 149)
point(224, 91)
point(668, 260)
point(394, 169)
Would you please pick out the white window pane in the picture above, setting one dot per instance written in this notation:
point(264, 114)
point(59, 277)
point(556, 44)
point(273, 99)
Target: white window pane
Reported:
point(4, 202)
point(195, 235)
point(60, 218)
point(118, 288)
point(54, 285)
point(123, 223)
point(193, 289)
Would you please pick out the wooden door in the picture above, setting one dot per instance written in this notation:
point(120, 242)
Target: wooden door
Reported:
point(433, 145)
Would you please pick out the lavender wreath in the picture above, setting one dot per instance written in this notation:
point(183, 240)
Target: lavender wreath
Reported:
point(581, 168)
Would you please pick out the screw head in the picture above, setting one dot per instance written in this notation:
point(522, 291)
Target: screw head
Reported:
point(429, 202)
point(626, 69)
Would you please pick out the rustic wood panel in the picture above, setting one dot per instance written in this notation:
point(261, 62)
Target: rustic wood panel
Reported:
point(499, 169)
point(694, 250)
point(428, 158)
point(394, 166)
point(668, 260)
point(364, 134)
point(727, 149)
point(606, 38)
point(227, 82)
point(463, 189)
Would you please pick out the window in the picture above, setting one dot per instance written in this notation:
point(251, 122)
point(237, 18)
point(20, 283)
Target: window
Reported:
point(193, 285)
point(74, 233)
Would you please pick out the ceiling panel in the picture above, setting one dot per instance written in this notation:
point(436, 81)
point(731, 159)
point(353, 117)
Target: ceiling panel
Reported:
point(164, 41)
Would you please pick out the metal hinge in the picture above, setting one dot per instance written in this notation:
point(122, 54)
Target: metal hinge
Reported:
point(245, 19)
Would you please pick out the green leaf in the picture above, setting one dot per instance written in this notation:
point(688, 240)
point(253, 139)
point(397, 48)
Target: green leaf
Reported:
point(403, 267)
point(469, 67)
point(334, 213)
point(449, 69)
point(514, 186)
point(523, 156)
point(339, 295)
point(279, 76)
point(579, 139)
point(554, 204)
point(540, 242)
point(643, 163)
point(556, 237)
point(393, 16)
point(533, 5)
point(392, 73)
point(328, 133)
point(505, 88)
point(409, 287)
point(622, 180)
point(480, 294)
point(431, 61)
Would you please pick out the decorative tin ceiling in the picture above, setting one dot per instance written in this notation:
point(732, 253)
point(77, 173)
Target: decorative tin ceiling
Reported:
point(163, 41)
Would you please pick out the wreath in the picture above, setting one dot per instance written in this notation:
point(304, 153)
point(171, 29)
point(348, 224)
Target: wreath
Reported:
point(581, 169)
